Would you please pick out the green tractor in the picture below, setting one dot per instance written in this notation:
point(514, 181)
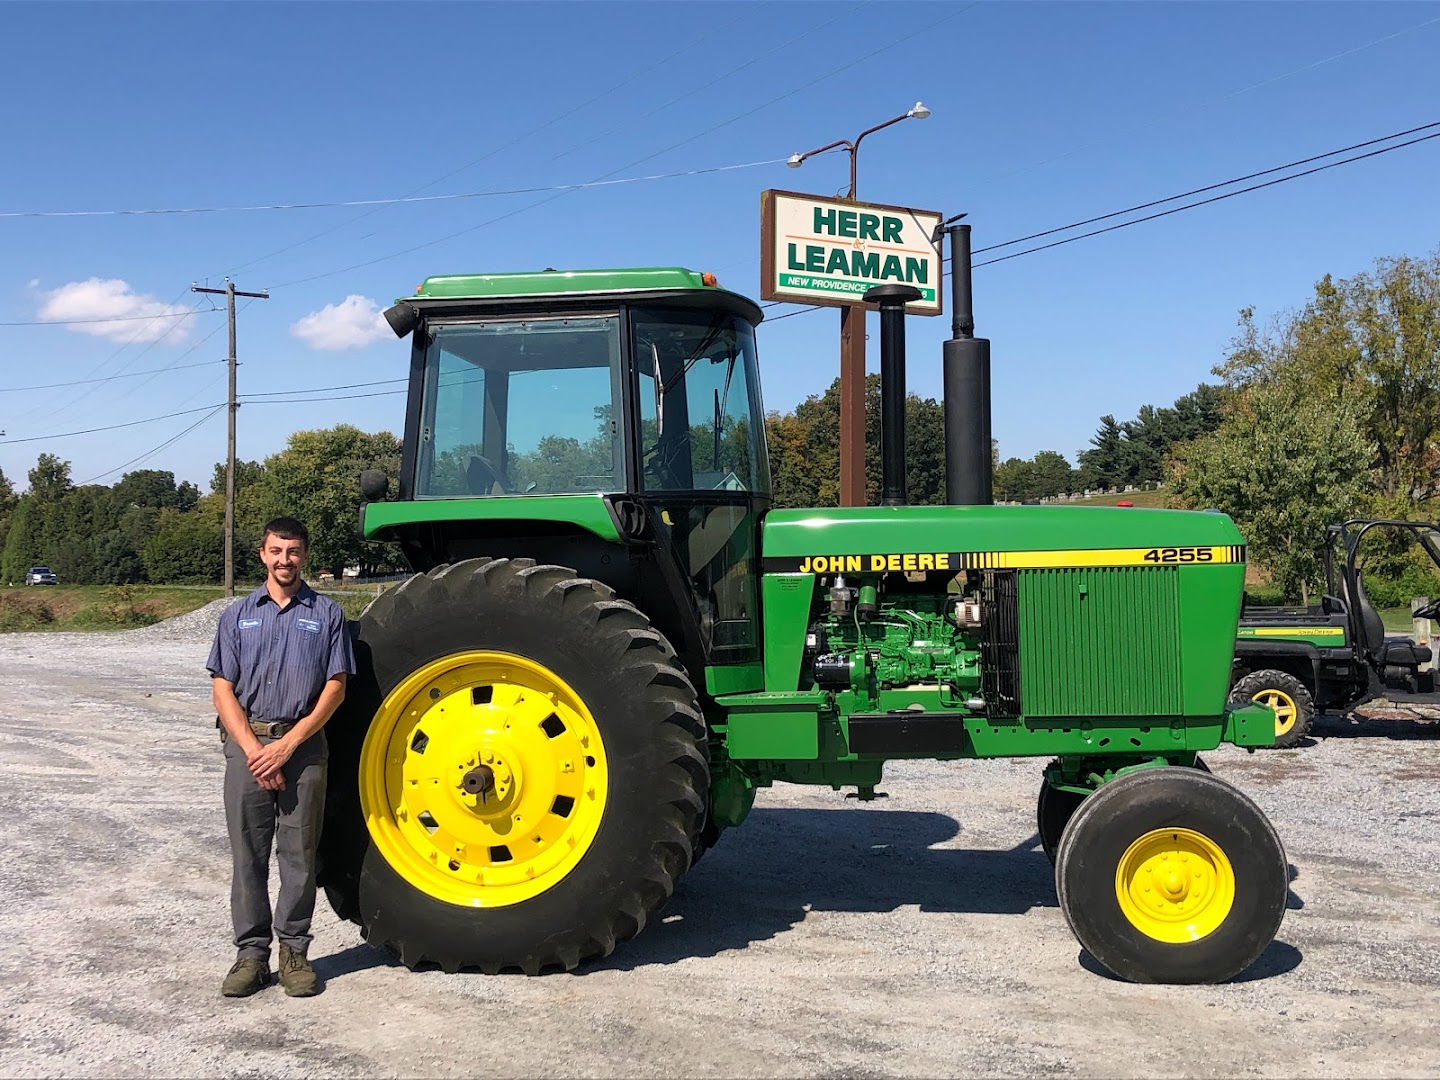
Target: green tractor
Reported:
point(612, 642)
point(1335, 655)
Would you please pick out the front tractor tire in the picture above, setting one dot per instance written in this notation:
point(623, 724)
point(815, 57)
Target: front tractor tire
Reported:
point(1171, 875)
point(521, 776)
point(1286, 695)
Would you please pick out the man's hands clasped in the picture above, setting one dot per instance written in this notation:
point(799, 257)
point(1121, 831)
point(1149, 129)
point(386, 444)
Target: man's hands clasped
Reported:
point(265, 763)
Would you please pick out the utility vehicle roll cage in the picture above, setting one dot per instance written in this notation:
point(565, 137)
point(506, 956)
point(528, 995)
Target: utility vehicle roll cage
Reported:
point(1345, 588)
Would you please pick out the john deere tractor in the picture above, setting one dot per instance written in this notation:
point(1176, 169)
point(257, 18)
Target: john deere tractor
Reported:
point(613, 642)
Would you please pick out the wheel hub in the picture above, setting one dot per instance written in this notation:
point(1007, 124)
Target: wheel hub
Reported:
point(1286, 711)
point(1175, 885)
point(490, 782)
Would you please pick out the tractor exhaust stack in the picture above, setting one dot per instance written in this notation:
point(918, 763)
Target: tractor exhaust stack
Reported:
point(967, 388)
point(892, 300)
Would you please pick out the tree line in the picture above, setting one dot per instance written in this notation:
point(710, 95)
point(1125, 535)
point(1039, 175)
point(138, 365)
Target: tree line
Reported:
point(1328, 412)
point(148, 528)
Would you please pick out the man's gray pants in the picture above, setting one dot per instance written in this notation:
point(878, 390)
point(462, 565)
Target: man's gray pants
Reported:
point(289, 820)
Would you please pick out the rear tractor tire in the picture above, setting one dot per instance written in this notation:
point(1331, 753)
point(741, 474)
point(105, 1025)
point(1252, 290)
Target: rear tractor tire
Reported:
point(1293, 705)
point(1055, 808)
point(528, 776)
point(1172, 876)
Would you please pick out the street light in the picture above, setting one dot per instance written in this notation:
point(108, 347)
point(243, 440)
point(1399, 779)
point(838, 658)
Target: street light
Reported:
point(852, 340)
point(918, 112)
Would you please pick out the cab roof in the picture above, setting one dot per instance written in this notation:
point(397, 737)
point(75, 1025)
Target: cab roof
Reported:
point(561, 282)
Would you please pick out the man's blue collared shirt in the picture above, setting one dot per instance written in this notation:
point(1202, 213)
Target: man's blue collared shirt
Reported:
point(280, 658)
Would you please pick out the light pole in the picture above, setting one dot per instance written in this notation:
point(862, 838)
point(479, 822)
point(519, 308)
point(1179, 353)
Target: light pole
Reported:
point(852, 339)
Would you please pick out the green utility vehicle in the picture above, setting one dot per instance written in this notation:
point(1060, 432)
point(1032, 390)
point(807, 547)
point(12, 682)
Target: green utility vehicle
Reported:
point(613, 642)
point(1335, 655)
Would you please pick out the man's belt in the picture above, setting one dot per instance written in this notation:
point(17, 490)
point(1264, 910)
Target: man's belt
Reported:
point(273, 729)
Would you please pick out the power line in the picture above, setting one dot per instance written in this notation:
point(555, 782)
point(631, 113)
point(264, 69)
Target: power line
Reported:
point(792, 314)
point(1223, 97)
point(1212, 199)
point(1209, 187)
point(318, 389)
point(327, 397)
point(358, 202)
point(153, 450)
point(108, 378)
point(109, 427)
point(829, 74)
point(123, 346)
point(113, 318)
point(707, 85)
point(486, 156)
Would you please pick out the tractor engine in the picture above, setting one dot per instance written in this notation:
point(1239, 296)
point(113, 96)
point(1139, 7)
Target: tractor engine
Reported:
point(866, 644)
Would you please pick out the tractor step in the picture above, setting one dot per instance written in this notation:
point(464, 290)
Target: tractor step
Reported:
point(906, 732)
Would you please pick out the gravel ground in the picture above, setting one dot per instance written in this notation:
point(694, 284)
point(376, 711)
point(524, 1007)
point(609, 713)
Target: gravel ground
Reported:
point(913, 936)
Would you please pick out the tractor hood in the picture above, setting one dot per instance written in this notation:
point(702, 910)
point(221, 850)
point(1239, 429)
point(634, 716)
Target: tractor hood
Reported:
point(883, 538)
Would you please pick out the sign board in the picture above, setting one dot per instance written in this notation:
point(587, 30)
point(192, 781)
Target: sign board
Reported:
point(815, 250)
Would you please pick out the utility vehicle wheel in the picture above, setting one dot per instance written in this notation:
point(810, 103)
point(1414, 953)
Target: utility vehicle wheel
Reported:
point(1055, 808)
point(534, 776)
point(1172, 876)
point(1293, 705)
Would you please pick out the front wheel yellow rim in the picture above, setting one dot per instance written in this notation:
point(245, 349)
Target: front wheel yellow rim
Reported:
point(483, 779)
point(1286, 711)
point(1175, 885)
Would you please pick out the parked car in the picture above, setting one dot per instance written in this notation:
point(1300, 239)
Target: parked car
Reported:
point(40, 575)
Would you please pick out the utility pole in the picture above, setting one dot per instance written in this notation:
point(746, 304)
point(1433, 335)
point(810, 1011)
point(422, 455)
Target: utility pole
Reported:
point(230, 292)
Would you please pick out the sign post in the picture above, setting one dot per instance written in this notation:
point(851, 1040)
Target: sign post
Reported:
point(830, 252)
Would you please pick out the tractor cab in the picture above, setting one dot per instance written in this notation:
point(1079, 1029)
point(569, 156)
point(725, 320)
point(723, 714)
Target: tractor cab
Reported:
point(607, 420)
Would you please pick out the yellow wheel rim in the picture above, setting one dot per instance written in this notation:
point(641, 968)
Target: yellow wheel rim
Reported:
point(483, 779)
point(1286, 711)
point(1175, 885)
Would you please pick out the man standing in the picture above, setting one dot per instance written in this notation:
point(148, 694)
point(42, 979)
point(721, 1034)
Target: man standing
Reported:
point(278, 669)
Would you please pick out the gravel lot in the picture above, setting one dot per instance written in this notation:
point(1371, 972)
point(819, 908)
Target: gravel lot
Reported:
point(918, 935)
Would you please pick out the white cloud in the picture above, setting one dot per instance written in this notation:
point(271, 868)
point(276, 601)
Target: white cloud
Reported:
point(351, 324)
point(33, 283)
point(112, 309)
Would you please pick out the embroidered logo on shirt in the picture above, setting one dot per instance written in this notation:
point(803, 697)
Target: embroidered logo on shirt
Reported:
point(308, 625)
point(246, 624)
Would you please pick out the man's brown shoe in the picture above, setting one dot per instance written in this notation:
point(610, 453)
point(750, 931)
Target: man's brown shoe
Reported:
point(296, 975)
point(247, 976)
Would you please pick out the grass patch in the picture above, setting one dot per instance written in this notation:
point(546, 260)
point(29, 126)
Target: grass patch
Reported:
point(1152, 499)
point(125, 607)
point(97, 607)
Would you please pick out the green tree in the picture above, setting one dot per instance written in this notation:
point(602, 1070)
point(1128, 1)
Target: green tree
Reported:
point(805, 449)
point(8, 500)
point(1014, 480)
point(316, 479)
point(186, 549)
point(49, 479)
point(1372, 340)
point(147, 487)
point(24, 539)
point(116, 560)
point(1052, 474)
point(1283, 465)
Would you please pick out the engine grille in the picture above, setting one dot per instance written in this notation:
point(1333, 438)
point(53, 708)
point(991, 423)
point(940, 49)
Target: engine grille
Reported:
point(1098, 642)
point(1000, 645)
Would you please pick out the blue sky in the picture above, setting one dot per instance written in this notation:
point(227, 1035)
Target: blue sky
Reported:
point(1042, 114)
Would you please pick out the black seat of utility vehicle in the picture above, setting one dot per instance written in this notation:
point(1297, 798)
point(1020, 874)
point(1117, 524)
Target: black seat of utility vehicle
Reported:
point(1394, 651)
